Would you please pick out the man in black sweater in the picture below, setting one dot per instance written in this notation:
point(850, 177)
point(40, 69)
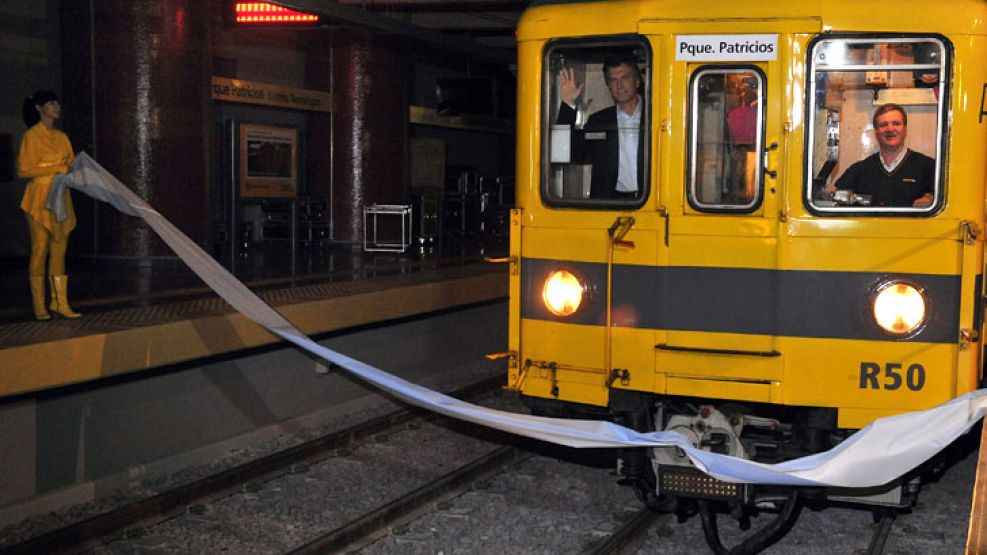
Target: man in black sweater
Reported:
point(612, 135)
point(895, 175)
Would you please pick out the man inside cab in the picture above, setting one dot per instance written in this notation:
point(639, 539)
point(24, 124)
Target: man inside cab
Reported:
point(612, 135)
point(894, 176)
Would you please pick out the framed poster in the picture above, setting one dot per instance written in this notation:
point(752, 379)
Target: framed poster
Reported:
point(268, 161)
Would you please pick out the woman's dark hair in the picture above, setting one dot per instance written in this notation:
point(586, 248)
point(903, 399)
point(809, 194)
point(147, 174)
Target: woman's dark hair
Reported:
point(29, 112)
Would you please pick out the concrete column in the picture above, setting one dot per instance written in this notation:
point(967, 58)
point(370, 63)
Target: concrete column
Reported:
point(148, 64)
point(318, 76)
point(370, 120)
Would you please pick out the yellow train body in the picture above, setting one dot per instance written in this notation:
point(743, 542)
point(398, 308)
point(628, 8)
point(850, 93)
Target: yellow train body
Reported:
point(765, 304)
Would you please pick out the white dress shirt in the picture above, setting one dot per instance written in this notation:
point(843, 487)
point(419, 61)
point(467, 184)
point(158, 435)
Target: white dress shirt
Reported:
point(628, 135)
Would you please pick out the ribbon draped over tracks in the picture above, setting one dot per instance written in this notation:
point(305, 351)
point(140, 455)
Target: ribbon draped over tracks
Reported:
point(875, 455)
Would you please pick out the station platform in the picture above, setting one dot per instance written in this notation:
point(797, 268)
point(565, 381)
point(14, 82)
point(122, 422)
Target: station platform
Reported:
point(139, 318)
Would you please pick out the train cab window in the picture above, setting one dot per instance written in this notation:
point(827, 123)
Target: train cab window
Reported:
point(597, 124)
point(875, 126)
point(726, 130)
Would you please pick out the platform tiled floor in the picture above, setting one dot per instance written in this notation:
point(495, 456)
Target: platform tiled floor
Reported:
point(99, 285)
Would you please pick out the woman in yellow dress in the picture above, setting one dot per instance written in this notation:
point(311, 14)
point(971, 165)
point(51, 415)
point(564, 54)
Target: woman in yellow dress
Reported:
point(46, 152)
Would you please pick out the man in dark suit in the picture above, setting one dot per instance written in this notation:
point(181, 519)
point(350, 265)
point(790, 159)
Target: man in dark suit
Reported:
point(612, 135)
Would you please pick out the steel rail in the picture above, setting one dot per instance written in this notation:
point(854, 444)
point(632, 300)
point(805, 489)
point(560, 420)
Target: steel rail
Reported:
point(880, 538)
point(455, 481)
point(624, 538)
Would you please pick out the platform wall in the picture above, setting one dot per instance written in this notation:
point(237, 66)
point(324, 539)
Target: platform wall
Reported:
point(75, 444)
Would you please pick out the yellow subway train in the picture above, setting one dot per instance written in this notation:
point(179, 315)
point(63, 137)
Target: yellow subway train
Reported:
point(760, 224)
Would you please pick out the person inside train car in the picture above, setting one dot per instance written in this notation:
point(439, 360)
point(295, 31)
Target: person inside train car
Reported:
point(895, 176)
point(612, 134)
point(44, 153)
point(741, 121)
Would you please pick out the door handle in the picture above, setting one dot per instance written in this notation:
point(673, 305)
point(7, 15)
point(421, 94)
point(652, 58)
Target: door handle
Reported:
point(773, 174)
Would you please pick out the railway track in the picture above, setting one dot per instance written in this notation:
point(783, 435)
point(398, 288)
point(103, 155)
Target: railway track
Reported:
point(377, 497)
point(454, 482)
point(127, 518)
point(433, 485)
point(627, 538)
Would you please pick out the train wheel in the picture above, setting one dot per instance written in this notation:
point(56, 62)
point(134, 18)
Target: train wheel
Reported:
point(644, 490)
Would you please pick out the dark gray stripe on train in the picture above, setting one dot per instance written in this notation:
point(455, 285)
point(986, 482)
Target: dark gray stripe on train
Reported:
point(793, 303)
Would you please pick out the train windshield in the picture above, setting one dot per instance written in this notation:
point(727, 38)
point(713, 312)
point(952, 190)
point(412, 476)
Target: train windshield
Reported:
point(875, 125)
point(597, 102)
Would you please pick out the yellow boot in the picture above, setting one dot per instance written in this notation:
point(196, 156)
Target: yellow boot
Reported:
point(38, 297)
point(60, 297)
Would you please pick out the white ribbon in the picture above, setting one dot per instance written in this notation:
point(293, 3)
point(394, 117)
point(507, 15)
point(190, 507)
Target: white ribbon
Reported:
point(875, 455)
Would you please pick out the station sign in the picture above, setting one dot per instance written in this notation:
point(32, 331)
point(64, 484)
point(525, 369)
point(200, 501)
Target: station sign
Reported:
point(726, 48)
point(267, 94)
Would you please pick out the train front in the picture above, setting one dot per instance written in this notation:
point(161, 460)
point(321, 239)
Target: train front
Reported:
point(759, 233)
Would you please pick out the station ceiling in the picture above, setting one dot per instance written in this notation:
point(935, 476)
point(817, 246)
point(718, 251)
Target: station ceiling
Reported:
point(490, 22)
point(477, 28)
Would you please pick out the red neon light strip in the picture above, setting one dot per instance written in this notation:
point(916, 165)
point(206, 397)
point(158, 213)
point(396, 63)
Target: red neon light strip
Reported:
point(263, 12)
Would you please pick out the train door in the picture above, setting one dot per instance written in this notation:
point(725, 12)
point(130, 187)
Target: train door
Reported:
point(722, 245)
point(718, 299)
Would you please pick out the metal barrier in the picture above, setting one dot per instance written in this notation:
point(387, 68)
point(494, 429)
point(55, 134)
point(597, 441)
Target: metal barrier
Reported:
point(372, 243)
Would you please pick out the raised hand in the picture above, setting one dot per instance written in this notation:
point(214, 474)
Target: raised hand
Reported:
point(568, 89)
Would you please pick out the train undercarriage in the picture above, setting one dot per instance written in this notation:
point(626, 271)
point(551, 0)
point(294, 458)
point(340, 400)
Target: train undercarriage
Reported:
point(665, 479)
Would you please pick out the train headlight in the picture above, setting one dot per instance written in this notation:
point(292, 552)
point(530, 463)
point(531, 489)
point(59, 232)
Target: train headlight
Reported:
point(563, 293)
point(899, 308)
